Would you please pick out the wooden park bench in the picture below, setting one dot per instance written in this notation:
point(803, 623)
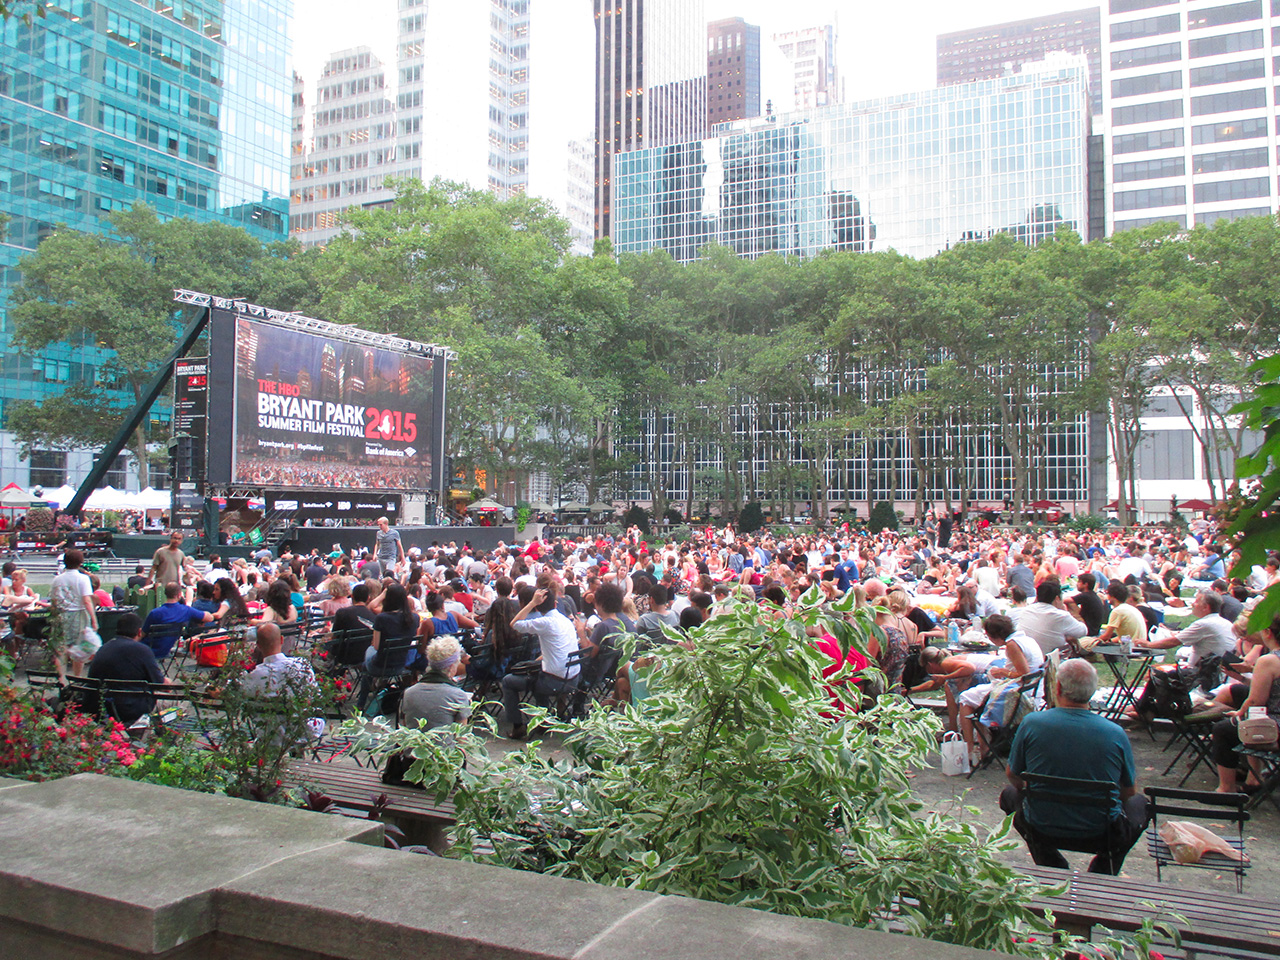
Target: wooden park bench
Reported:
point(357, 788)
point(1217, 924)
point(166, 695)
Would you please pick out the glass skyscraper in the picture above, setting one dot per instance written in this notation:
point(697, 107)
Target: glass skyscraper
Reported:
point(915, 173)
point(651, 83)
point(182, 104)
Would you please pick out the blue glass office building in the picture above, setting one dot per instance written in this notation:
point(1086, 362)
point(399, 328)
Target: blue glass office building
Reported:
point(915, 173)
point(182, 104)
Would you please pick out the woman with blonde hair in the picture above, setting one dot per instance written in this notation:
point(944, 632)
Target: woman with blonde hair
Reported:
point(339, 596)
point(21, 599)
point(891, 654)
point(900, 606)
point(18, 595)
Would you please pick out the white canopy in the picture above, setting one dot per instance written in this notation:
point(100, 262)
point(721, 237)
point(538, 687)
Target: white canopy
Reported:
point(151, 499)
point(13, 497)
point(61, 496)
point(109, 498)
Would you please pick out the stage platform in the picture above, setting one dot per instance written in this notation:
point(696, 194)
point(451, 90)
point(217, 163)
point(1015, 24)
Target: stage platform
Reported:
point(361, 538)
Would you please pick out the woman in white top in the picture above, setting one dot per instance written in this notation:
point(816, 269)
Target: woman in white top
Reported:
point(988, 577)
point(1022, 656)
point(19, 596)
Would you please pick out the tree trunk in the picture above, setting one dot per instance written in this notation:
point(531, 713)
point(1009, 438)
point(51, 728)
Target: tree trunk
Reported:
point(688, 469)
point(917, 460)
point(845, 457)
point(790, 480)
point(892, 449)
point(952, 465)
point(140, 454)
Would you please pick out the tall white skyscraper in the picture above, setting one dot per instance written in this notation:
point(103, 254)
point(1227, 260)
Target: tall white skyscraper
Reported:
point(351, 149)
point(463, 98)
point(1185, 95)
point(480, 97)
point(811, 53)
point(651, 82)
point(580, 194)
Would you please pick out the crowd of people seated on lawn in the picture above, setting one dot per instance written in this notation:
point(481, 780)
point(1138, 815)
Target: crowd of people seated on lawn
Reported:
point(1071, 591)
point(959, 606)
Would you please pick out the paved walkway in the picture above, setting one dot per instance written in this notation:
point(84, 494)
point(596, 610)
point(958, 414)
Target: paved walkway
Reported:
point(975, 798)
point(960, 797)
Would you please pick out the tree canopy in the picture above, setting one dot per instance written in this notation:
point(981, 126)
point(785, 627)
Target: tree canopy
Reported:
point(115, 291)
point(724, 380)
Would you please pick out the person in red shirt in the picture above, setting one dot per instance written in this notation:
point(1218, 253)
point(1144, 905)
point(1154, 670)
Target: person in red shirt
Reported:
point(831, 647)
point(456, 590)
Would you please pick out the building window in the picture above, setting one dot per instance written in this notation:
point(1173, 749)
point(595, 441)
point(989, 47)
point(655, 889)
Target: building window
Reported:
point(1227, 43)
point(1213, 216)
point(1124, 6)
point(1228, 72)
point(1231, 13)
point(1154, 197)
point(1232, 190)
point(1231, 130)
point(1223, 102)
point(1150, 27)
point(158, 476)
point(1152, 140)
point(1149, 169)
point(48, 468)
point(1122, 225)
point(1167, 455)
point(1230, 160)
point(1146, 56)
point(1151, 83)
point(1148, 112)
point(1167, 405)
point(118, 475)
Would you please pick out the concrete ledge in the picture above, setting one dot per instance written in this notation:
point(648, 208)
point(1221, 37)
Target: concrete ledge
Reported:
point(467, 911)
point(103, 869)
point(135, 865)
point(419, 906)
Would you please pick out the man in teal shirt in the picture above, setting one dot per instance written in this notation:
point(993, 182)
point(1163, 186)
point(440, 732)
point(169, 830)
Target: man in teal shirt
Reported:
point(1073, 742)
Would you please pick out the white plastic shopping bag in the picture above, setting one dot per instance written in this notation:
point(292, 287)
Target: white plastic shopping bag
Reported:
point(955, 755)
point(86, 646)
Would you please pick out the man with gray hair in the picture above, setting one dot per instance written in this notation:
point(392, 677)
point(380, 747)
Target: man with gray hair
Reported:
point(1209, 635)
point(1072, 742)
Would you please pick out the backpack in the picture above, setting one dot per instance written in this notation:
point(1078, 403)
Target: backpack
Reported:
point(913, 671)
point(1168, 694)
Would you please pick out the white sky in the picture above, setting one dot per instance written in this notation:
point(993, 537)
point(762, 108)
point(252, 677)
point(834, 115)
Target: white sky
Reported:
point(884, 48)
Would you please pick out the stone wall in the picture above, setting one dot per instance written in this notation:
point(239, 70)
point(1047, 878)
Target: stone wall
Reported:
point(96, 868)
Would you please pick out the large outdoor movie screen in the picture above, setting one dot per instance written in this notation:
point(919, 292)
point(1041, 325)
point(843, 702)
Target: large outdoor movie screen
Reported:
point(315, 412)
